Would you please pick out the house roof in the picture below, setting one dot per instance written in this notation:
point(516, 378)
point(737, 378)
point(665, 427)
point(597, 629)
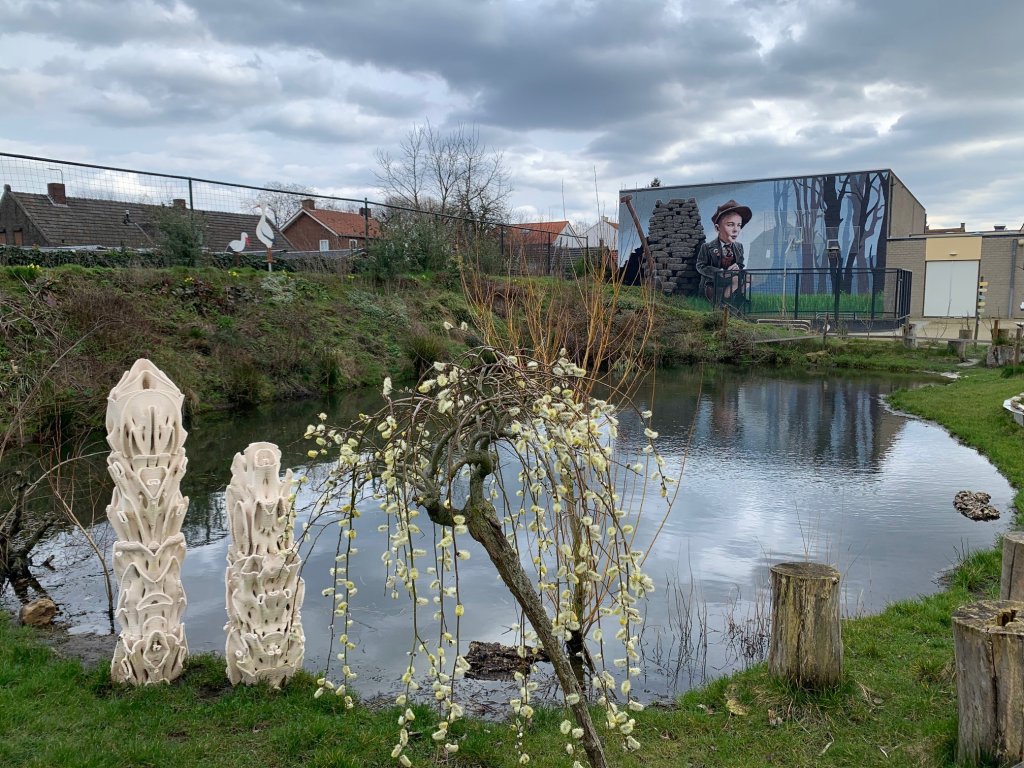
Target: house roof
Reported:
point(541, 232)
point(120, 224)
point(340, 223)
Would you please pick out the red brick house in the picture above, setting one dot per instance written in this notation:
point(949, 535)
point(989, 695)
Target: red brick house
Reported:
point(319, 229)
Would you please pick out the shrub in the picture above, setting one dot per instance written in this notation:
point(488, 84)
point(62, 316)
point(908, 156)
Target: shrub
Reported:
point(424, 349)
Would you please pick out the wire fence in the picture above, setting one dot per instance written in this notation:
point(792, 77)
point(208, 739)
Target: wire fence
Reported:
point(118, 208)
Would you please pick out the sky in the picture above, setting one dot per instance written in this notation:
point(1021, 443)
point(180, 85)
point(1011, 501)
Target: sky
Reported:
point(582, 98)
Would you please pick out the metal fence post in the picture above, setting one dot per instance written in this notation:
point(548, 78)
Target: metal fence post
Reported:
point(366, 223)
point(796, 297)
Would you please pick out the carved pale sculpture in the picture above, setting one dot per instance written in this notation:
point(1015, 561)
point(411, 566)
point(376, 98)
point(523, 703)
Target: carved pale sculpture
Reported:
point(147, 461)
point(264, 592)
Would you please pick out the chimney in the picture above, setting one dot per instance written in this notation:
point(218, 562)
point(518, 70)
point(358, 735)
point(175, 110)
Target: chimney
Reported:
point(364, 212)
point(179, 203)
point(308, 204)
point(55, 191)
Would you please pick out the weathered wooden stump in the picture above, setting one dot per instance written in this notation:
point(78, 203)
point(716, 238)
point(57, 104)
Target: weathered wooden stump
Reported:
point(1011, 586)
point(806, 641)
point(988, 638)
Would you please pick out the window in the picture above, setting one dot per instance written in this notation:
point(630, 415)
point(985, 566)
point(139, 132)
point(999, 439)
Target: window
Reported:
point(19, 238)
point(325, 245)
point(353, 243)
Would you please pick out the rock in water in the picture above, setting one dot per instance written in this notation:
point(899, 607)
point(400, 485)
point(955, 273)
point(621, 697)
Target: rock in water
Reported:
point(494, 661)
point(975, 505)
point(38, 613)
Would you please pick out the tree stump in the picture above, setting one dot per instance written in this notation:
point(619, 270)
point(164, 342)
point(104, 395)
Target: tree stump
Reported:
point(988, 638)
point(806, 640)
point(1011, 586)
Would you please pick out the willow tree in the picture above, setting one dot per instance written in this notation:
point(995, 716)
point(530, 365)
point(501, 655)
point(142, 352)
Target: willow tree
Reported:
point(510, 446)
point(503, 449)
point(604, 326)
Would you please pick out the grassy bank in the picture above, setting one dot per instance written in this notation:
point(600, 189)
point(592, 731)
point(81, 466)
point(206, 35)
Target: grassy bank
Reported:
point(238, 337)
point(896, 707)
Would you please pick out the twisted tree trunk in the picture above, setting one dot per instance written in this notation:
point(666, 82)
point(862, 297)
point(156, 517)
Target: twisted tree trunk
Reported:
point(484, 527)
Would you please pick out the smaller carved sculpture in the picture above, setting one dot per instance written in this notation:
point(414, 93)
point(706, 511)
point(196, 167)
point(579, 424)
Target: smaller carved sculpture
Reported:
point(147, 461)
point(264, 591)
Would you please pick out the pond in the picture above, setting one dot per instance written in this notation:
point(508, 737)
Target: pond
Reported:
point(772, 469)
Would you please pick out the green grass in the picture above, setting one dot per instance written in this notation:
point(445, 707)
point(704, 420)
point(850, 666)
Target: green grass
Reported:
point(811, 303)
point(897, 697)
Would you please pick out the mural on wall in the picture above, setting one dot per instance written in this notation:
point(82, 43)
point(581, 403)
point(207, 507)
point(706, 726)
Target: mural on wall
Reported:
point(793, 224)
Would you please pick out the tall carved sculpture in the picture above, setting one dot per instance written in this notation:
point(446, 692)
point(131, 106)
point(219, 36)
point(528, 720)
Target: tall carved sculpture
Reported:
point(264, 591)
point(147, 461)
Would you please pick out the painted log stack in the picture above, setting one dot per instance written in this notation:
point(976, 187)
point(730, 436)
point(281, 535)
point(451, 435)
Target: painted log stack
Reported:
point(675, 234)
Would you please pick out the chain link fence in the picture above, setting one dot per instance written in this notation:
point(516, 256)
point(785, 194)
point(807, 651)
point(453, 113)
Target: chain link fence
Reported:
point(58, 205)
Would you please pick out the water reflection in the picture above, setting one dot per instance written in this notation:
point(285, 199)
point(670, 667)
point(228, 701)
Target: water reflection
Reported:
point(772, 469)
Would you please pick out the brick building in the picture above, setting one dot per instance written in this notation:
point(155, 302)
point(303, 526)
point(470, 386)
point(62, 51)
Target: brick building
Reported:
point(947, 267)
point(322, 229)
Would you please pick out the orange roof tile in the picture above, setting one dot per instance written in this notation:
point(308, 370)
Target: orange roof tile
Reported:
point(343, 223)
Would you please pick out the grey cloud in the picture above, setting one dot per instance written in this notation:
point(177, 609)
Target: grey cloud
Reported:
point(92, 24)
point(374, 101)
point(652, 92)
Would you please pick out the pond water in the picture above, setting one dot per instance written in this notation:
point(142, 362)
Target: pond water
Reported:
point(776, 469)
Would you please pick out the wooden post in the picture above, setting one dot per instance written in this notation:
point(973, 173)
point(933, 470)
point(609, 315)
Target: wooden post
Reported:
point(988, 640)
point(1011, 586)
point(806, 638)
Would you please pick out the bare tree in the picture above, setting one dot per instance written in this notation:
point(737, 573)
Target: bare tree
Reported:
point(283, 200)
point(451, 173)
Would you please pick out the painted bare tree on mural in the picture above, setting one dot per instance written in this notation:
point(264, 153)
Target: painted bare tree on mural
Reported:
point(808, 195)
point(869, 197)
point(781, 238)
point(851, 205)
point(834, 189)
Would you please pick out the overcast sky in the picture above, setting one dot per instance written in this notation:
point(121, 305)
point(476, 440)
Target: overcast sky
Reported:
point(690, 91)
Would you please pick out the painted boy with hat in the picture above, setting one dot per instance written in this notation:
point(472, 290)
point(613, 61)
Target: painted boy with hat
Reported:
point(717, 258)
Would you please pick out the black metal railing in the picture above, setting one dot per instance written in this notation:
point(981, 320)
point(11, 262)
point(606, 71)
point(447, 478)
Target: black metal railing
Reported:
point(854, 296)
